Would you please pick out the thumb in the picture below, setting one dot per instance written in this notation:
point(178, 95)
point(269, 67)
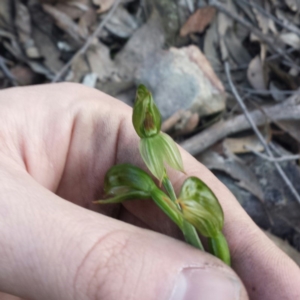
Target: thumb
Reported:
point(53, 249)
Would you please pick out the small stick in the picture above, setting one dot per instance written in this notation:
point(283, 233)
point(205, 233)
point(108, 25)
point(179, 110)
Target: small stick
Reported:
point(275, 159)
point(83, 49)
point(286, 110)
point(265, 92)
point(259, 135)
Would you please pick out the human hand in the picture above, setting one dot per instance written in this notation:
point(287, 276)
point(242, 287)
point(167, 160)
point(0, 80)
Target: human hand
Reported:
point(57, 142)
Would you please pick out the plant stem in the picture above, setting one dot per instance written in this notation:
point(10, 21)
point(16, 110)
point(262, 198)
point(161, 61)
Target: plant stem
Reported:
point(189, 231)
point(219, 247)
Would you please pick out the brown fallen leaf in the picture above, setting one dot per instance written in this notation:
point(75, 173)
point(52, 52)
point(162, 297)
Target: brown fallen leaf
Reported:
point(198, 21)
point(64, 22)
point(48, 50)
point(103, 5)
point(88, 20)
point(100, 62)
point(243, 145)
point(256, 74)
point(187, 124)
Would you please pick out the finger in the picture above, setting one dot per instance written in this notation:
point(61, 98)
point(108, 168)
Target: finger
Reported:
point(53, 249)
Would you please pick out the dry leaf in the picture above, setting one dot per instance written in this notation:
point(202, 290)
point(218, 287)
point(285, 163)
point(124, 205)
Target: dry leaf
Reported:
point(292, 4)
point(255, 74)
point(23, 24)
point(238, 53)
point(235, 168)
point(104, 5)
point(243, 145)
point(198, 21)
point(225, 23)
point(189, 121)
point(211, 41)
point(290, 39)
point(72, 11)
point(79, 69)
point(48, 50)
point(64, 22)
point(100, 62)
point(122, 23)
point(262, 20)
point(87, 20)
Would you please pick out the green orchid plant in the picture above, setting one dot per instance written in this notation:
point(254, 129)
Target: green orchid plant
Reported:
point(195, 211)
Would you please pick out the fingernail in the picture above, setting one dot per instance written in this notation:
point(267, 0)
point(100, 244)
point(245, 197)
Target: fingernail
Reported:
point(206, 284)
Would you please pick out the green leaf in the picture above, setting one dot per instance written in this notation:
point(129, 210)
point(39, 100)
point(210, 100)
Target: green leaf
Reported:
point(127, 178)
point(146, 117)
point(201, 208)
point(158, 151)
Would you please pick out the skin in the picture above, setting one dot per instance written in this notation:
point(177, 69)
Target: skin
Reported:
point(57, 142)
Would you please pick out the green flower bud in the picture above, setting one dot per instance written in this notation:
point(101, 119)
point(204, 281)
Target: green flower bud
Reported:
point(201, 208)
point(146, 117)
point(159, 150)
point(127, 182)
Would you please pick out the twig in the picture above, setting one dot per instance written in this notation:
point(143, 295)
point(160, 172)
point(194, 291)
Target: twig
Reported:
point(83, 49)
point(259, 135)
point(265, 38)
point(286, 110)
point(265, 92)
point(275, 56)
point(171, 122)
point(275, 159)
point(287, 25)
point(7, 72)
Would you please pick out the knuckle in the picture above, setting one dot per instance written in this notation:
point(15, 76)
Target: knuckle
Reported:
point(103, 270)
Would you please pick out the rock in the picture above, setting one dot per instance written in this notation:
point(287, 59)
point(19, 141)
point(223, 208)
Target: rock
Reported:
point(182, 79)
point(146, 41)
